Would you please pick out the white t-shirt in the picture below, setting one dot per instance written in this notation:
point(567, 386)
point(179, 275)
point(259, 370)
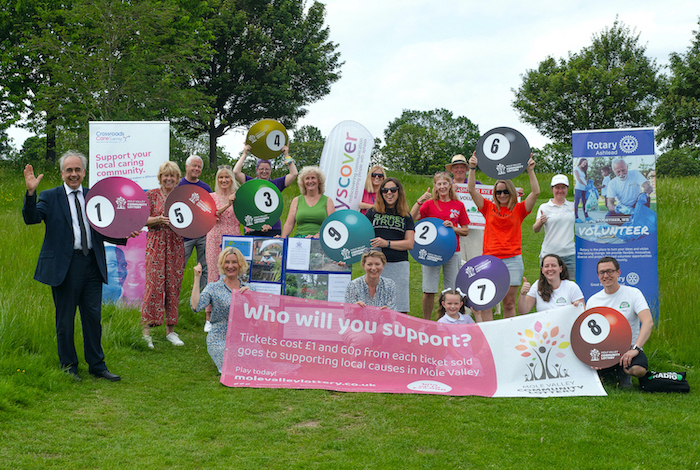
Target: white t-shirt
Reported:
point(626, 191)
point(559, 229)
point(629, 301)
point(464, 319)
point(581, 174)
point(565, 295)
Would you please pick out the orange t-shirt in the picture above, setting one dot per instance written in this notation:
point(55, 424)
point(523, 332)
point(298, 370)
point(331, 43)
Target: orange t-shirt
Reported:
point(503, 237)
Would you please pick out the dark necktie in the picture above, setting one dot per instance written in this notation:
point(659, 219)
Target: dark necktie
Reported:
point(83, 232)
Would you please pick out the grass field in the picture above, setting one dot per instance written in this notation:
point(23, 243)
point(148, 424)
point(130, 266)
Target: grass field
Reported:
point(170, 411)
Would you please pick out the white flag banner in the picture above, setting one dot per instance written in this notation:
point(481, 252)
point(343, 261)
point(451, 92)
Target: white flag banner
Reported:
point(345, 161)
point(130, 149)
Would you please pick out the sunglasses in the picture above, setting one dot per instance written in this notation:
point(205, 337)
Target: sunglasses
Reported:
point(377, 175)
point(498, 192)
point(224, 167)
point(390, 190)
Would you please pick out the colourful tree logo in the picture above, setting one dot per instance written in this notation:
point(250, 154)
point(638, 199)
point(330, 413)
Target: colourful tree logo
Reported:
point(539, 344)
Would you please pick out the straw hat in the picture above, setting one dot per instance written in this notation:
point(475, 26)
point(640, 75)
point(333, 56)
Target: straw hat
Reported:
point(457, 159)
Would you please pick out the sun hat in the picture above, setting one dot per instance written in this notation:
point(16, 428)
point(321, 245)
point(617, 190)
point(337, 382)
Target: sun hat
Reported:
point(456, 160)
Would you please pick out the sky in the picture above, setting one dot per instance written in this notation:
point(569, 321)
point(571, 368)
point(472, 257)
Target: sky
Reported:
point(465, 56)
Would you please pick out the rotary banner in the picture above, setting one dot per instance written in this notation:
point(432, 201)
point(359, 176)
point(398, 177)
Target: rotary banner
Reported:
point(286, 342)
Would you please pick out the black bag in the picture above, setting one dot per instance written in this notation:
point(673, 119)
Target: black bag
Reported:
point(664, 382)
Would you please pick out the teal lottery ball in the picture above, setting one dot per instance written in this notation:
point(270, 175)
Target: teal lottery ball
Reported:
point(266, 139)
point(485, 280)
point(258, 203)
point(345, 235)
point(434, 244)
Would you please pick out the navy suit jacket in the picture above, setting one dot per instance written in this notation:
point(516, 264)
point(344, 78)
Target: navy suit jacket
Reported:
point(57, 250)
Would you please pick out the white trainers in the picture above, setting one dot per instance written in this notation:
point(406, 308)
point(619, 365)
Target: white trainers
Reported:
point(149, 341)
point(175, 339)
point(207, 326)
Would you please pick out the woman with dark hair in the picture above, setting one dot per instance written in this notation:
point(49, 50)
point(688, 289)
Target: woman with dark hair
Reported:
point(443, 205)
point(552, 290)
point(394, 230)
point(503, 232)
point(581, 180)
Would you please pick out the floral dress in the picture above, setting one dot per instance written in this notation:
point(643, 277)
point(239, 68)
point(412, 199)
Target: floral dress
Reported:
point(218, 296)
point(226, 224)
point(165, 263)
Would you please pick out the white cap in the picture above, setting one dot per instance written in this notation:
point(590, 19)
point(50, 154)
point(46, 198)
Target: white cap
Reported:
point(560, 179)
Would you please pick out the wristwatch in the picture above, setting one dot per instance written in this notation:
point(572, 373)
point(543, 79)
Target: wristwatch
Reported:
point(637, 348)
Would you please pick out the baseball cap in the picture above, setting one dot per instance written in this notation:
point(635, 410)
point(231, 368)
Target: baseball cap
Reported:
point(560, 179)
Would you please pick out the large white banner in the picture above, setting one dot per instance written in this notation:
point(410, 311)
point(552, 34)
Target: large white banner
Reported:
point(476, 219)
point(345, 161)
point(130, 149)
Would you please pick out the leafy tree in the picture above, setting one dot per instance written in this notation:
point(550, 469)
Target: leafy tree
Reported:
point(422, 142)
point(679, 162)
point(269, 59)
point(609, 84)
point(679, 111)
point(306, 146)
point(99, 60)
point(554, 158)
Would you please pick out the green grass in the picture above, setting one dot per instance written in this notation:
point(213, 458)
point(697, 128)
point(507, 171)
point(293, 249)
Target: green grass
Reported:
point(170, 411)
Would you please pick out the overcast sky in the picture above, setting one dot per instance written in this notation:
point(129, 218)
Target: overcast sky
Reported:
point(466, 56)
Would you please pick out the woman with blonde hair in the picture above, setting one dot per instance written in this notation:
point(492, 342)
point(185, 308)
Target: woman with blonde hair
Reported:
point(308, 210)
point(443, 204)
point(226, 223)
point(165, 261)
point(375, 177)
point(503, 232)
point(217, 294)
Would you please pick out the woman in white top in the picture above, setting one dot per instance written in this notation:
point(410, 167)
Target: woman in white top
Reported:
point(552, 290)
point(557, 218)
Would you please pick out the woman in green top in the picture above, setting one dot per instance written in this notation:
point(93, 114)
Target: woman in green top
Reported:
point(310, 209)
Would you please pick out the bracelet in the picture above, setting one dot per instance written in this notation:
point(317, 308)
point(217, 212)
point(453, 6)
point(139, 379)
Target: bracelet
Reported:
point(472, 168)
point(389, 244)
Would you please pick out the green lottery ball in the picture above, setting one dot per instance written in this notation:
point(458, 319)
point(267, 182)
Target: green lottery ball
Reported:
point(258, 202)
point(345, 235)
point(266, 139)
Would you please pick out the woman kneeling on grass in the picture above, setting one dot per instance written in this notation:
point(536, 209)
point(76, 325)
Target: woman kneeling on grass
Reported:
point(232, 265)
point(552, 290)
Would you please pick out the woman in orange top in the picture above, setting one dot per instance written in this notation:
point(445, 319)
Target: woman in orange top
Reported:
point(502, 235)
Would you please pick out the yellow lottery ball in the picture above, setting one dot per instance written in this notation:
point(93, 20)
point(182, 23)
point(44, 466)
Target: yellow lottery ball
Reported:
point(266, 139)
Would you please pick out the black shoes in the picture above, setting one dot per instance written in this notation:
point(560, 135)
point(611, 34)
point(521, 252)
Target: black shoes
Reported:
point(73, 374)
point(105, 374)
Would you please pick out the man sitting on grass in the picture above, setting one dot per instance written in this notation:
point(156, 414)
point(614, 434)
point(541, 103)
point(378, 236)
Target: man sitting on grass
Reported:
point(631, 303)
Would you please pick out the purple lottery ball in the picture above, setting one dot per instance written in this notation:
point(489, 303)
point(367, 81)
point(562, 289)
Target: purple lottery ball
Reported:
point(485, 280)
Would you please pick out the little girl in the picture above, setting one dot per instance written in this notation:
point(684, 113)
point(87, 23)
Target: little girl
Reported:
point(451, 309)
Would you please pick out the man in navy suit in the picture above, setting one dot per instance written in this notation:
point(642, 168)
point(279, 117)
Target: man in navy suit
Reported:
point(71, 261)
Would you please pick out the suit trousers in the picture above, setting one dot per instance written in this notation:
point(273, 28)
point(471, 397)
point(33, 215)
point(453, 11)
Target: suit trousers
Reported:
point(82, 288)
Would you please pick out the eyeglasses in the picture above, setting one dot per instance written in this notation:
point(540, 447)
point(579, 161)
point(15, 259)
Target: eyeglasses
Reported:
point(378, 175)
point(375, 249)
point(390, 190)
point(607, 272)
point(498, 192)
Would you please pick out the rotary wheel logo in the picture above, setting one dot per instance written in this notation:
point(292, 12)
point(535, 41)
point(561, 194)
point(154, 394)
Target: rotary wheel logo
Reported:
point(629, 144)
point(632, 279)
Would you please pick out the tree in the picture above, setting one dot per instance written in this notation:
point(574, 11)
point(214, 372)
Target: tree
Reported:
point(306, 146)
point(100, 60)
point(609, 84)
point(554, 158)
point(422, 142)
point(269, 59)
point(678, 114)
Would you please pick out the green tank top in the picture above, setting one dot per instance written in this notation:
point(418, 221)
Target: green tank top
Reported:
point(309, 219)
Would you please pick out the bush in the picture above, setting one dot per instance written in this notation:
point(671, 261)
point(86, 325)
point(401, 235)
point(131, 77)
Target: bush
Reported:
point(678, 163)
